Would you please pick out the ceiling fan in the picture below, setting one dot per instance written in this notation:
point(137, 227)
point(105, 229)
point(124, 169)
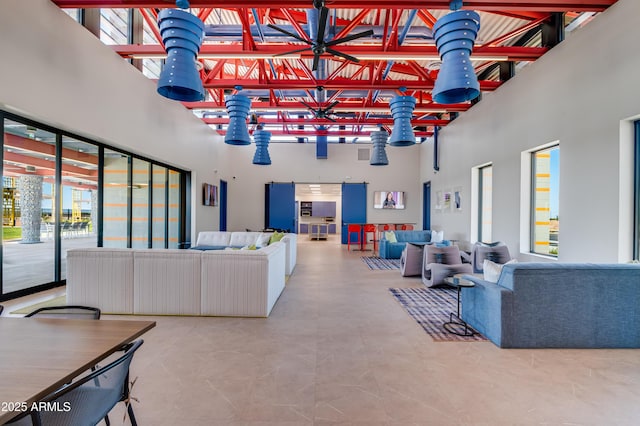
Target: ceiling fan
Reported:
point(319, 45)
point(322, 113)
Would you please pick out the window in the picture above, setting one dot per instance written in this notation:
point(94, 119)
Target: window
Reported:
point(62, 191)
point(545, 200)
point(485, 197)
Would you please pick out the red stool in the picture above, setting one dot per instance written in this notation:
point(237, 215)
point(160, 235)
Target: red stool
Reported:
point(407, 227)
point(370, 228)
point(354, 229)
point(382, 229)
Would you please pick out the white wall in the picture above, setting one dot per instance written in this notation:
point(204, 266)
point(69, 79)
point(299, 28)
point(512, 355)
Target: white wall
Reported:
point(58, 73)
point(582, 93)
point(294, 162)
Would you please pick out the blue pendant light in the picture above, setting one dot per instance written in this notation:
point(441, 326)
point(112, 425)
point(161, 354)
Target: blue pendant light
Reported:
point(262, 138)
point(402, 110)
point(182, 35)
point(238, 107)
point(378, 152)
point(455, 35)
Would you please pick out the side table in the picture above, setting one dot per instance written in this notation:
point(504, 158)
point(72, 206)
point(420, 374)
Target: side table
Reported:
point(456, 325)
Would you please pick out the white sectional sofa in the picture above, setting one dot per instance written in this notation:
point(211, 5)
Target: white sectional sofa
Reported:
point(244, 283)
point(219, 240)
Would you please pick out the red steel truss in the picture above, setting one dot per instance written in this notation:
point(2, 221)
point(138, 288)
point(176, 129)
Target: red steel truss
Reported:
point(283, 86)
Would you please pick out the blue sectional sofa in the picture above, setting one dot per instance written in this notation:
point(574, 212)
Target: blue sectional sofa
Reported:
point(557, 305)
point(389, 250)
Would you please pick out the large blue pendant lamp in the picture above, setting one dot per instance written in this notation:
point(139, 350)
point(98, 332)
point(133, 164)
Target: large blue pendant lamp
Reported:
point(182, 35)
point(378, 152)
point(238, 107)
point(262, 138)
point(455, 35)
point(402, 110)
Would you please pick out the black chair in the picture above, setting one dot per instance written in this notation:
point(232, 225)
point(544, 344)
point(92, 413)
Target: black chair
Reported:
point(1, 309)
point(67, 312)
point(89, 398)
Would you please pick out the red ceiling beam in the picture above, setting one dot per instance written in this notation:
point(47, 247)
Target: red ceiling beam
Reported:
point(336, 84)
point(325, 122)
point(357, 20)
point(30, 145)
point(345, 106)
point(485, 5)
point(510, 53)
point(41, 163)
point(316, 132)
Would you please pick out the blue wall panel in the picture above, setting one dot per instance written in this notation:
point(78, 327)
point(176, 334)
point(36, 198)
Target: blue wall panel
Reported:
point(354, 205)
point(281, 206)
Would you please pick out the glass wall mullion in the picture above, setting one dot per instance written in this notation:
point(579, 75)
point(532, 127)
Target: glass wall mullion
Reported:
point(166, 209)
point(150, 207)
point(129, 201)
point(636, 192)
point(100, 207)
point(57, 206)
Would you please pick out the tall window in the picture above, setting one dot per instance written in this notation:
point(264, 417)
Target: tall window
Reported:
point(140, 193)
point(116, 195)
point(545, 201)
point(485, 200)
point(62, 191)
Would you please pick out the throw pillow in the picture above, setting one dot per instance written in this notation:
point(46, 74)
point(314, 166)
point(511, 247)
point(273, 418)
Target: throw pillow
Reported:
point(263, 240)
point(437, 236)
point(249, 247)
point(493, 270)
point(390, 236)
point(275, 237)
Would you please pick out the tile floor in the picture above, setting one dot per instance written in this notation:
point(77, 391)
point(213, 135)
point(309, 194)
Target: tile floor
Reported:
point(339, 350)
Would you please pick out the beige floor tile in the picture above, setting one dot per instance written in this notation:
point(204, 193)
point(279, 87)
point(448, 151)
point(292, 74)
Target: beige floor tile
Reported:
point(339, 350)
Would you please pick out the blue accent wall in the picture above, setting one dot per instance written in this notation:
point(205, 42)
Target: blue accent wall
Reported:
point(281, 206)
point(223, 205)
point(426, 205)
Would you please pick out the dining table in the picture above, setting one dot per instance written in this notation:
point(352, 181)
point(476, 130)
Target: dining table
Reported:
point(40, 355)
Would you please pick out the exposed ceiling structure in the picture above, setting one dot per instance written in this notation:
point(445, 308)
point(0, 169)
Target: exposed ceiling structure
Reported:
point(264, 49)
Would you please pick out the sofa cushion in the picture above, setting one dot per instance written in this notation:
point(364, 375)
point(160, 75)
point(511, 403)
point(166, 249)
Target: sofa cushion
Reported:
point(437, 236)
point(275, 237)
point(203, 248)
point(213, 238)
point(413, 236)
point(492, 270)
point(263, 239)
point(241, 239)
point(390, 236)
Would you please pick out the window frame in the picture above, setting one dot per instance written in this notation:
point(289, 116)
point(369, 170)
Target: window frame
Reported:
point(532, 197)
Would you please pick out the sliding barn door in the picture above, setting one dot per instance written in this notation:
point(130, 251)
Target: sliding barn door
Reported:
point(280, 208)
point(354, 205)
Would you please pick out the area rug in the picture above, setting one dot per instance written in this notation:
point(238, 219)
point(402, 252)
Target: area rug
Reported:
point(430, 307)
point(56, 301)
point(379, 263)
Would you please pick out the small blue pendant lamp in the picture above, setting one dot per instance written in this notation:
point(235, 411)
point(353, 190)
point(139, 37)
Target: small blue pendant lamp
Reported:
point(402, 110)
point(378, 152)
point(262, 138)
point(238, 107)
